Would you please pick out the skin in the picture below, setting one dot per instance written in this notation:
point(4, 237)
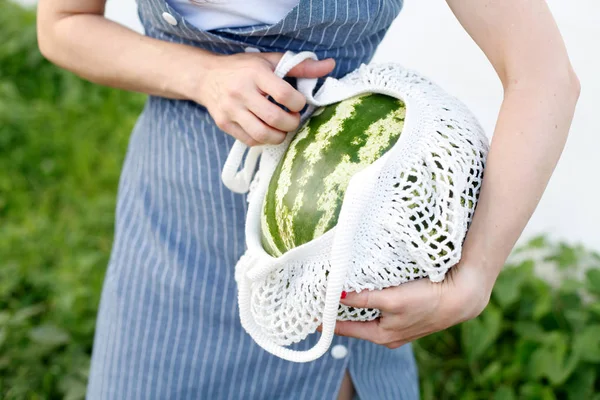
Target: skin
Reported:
point(74, 35)
point(522, 42)
point(519, 38)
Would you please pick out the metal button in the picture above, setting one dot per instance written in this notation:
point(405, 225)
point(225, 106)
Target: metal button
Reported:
point(339, 351)
point(169, 18)
point(251, 50)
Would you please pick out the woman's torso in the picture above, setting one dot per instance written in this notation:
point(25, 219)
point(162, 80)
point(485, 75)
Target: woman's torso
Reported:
point(168, 325)
point(347, 30)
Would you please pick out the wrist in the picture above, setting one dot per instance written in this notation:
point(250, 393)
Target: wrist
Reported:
point(472, 290)
point(191, 73)
point(484, 270)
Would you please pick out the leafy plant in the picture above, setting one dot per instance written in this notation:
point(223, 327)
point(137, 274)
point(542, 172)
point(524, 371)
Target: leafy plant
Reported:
point(62, 141)
point(537, 339)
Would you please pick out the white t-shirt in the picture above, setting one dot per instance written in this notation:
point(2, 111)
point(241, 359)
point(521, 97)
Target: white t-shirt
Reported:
point(215, 14)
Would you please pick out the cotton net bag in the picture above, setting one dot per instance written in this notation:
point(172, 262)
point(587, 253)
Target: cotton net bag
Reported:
point(403, 217)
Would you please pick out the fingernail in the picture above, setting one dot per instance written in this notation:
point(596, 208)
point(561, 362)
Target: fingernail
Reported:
point(344, 294)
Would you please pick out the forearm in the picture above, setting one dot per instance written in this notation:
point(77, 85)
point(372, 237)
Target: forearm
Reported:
point(107, 53)
point(530, 135)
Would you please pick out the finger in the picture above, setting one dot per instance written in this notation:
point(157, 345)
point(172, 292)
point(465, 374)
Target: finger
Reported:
point(370, 331)
point(258, 130)
point(403, 324)
point(273, 115)
point(379, 299)
point(235, 130)
point(306, 69)
point(281, 91)
point(392, 299)
point(395, 345)
point(406, 338)
point(313, 69)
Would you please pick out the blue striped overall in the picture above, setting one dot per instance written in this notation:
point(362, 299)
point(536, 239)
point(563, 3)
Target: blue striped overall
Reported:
point(168, 325)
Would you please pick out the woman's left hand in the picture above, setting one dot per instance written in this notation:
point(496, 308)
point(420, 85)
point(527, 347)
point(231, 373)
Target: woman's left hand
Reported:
point(419, 308)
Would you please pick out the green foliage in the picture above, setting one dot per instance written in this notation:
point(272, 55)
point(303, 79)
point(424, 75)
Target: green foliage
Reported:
point(535, 340)
point(62, 142)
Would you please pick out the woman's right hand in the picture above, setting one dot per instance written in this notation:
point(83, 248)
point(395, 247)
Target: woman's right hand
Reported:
point(234, 90)
point(76, 36)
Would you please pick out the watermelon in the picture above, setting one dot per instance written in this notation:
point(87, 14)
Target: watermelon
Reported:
point(306, 191)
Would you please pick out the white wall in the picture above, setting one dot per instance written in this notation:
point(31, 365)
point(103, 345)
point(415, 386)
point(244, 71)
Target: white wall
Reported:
point(427, 37)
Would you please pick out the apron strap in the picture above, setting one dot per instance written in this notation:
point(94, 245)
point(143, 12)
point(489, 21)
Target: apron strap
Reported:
point(238, 180)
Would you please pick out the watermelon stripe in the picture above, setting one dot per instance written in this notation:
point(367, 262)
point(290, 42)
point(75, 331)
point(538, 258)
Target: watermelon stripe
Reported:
point(278, 186)
point(312, 150)
point(377, 142)
point(306, 190)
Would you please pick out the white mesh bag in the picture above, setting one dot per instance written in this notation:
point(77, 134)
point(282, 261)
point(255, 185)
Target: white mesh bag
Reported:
point(403, 217)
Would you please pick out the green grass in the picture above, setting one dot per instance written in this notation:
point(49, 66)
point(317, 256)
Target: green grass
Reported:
point(62, 143)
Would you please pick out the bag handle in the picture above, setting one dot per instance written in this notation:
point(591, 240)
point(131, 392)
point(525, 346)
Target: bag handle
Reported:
point(335, 283)
point(257, 268)
point(238, 180)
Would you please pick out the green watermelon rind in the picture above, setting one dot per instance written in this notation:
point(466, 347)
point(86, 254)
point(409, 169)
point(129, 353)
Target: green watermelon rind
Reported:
point(334, 152)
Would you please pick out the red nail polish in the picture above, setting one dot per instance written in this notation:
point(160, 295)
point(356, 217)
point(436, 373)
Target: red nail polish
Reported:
point(344, 294)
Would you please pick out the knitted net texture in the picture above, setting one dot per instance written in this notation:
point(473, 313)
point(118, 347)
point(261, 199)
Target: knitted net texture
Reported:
point(409, 222)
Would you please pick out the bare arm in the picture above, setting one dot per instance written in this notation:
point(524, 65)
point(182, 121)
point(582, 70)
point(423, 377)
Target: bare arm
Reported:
point(75, 35)
point(521, 40)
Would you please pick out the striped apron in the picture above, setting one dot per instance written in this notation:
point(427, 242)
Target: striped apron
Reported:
point(168, 325)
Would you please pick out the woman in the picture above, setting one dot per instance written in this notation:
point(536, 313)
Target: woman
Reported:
point(167, 325)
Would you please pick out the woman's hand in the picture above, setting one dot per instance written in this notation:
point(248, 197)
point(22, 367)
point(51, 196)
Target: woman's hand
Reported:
point(234, 91)
point(419, 308)
point(75, 36)
point(523, 44)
